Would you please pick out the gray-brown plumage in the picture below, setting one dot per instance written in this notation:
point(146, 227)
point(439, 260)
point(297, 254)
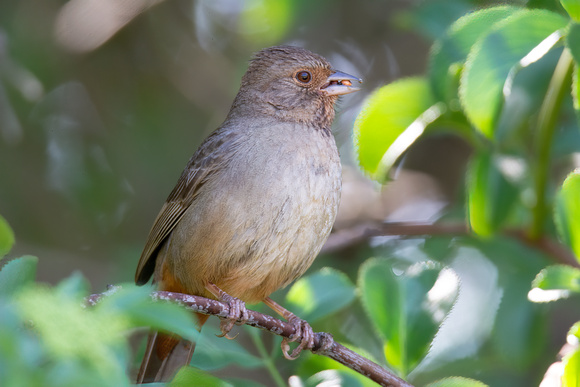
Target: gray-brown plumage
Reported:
point(257, 200)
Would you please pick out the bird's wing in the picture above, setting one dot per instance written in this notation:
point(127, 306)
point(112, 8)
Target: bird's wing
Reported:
point(210, 158)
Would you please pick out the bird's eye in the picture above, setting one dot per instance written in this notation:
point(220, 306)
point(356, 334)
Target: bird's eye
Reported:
point(304, 76)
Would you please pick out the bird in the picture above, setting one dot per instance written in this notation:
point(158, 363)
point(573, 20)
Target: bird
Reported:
point(256, 201)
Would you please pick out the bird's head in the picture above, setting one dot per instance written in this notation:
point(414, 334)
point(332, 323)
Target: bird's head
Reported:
point(294, 84)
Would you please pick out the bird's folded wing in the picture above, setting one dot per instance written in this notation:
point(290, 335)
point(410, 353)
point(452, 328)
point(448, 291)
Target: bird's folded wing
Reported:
point(208, 160)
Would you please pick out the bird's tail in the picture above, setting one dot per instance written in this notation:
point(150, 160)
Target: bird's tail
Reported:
point(164, 355)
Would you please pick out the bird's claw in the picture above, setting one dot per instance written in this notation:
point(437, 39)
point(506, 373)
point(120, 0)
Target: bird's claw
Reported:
point(303, 334)
point(237, 315)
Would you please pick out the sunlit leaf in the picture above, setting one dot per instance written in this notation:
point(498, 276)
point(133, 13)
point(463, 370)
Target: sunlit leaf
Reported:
point(575, 330)
point(17, 274)
point(572, 7)
point(392, 118)
point(558, 277)
point(453, 48)
point(320, 294)
point(490, 195)
point(6, 237)
point(457, 381)
point(518, 40)
point(571, 362)
point(396, 306)
point(190, 376)
point(567, 212)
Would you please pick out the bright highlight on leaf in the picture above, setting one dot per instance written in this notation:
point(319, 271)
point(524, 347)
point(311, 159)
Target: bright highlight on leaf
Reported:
point(492, 58)
point(558, 277)
point(392, 118)
point(567, 212)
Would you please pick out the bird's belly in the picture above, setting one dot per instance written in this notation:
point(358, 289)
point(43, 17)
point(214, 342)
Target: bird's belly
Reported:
point(255, 235)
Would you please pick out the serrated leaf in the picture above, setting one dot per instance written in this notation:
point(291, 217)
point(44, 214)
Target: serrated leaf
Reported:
point(491, 60)
point(558, 277)
point(396, 307)
point(452, 49)
point(490, 196)
point(572, 7)
point(6, 237)
point(571, 362)
point(567, 212)
point(320, 294)
point(17, 274)
point(457, 381)
point(384, 125)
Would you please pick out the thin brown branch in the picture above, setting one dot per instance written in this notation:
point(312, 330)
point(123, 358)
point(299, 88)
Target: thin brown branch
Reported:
point(353, 236)
point(324, 344)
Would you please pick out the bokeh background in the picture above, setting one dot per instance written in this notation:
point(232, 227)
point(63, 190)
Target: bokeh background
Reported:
point(102, 102)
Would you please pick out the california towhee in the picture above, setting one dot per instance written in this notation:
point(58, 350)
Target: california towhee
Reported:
point(257, 200)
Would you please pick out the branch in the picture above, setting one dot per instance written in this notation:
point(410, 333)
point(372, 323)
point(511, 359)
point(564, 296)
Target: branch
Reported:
point(350, 237)
point(324, 344)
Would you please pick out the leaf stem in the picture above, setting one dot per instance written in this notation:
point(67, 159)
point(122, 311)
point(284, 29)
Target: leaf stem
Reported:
point(547, 117)
point(268, 361)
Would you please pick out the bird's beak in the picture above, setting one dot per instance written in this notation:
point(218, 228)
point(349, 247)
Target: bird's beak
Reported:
point(339, 83)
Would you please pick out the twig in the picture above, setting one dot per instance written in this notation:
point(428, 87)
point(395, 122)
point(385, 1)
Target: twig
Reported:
point(324, 344)
point(360, 233)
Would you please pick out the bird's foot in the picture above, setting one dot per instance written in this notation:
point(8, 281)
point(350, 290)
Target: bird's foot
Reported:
point(238, 315)
point(303, 334)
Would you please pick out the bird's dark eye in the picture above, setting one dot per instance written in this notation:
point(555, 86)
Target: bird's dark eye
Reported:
point(304, 76)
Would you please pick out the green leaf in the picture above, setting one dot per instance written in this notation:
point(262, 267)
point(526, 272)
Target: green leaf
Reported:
point(575, 330)
point(497, 56)
point(571, 377)
point(567, 212)
point(572, 7)
point(190, 376)
point(396, 305)
point(6, 237)
point(449, 53)
point(383, 129)
point(558, 277)
point(457, 381)
point(136, 304)
point(573, 41)
point(490, 196)
point(576, 91)
point(320, 294)
point(17, 274)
